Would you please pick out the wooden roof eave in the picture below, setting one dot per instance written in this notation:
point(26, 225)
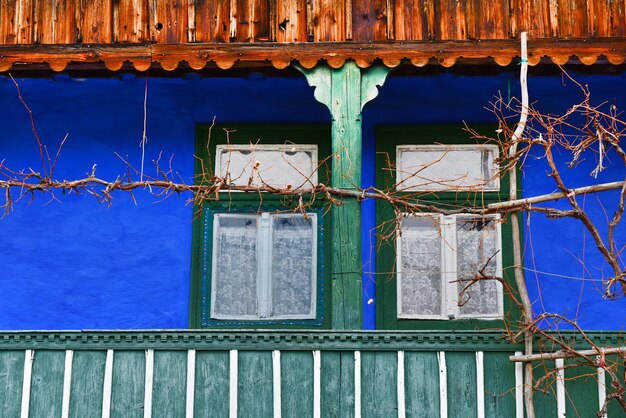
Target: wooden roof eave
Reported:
point(281, 55)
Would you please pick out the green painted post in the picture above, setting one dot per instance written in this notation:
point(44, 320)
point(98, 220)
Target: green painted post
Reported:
point(345, 91)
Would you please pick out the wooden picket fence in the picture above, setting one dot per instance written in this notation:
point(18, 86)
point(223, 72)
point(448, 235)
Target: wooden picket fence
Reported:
point(276, 374)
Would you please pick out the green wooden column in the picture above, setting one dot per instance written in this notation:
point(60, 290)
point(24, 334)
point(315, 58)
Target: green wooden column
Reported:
point(345, 91)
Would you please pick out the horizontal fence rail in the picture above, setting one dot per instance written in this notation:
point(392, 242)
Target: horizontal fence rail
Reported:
point(274, 374)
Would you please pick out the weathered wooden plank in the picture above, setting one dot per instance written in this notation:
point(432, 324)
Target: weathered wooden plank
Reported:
point(168, 21)
point(212, 20)
point(168, 393)
point(378, 384)
point(130, 20)
point(451, 19)
point(94, 20)
point(16, 22)
point(337, 384)
point(430, 19)
point(11, 374)
point(129, 370)
point(329, 20)
point(260, 21)
point(410, 20)
point(369, 20)
point(421, 384)
point(296, 383)
point(46, 391)
point(492, 16)
point(54, 22)
point(252, 20)
point(532, 16)
point(291, 21)
point(572, 18)
point(599, 18)
point(618, 18)
point(87, 384)
point(499, 382)
point(461, 371)
point(255, 384)
point(211, 394)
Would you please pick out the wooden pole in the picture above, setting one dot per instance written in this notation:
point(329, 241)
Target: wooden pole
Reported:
point(517, 247)
point(566, 354)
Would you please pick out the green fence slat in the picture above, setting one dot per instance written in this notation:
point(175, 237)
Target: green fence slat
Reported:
point(337, 384)
point(46, 390)
point(499, 385)
point(544, 398)
point(379, 381)
point(211, 398)
point(11, 377)
point(296, 370)
point(461, 375)
point(581, 389)
point(170, 383)
point(617, 366)
point(254, 391)
point(129, 371)
point(87, 384)
point(421, 383)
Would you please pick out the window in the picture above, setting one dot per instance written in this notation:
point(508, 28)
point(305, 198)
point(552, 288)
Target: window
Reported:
point(259, 257)
point(424, 271)
point(264, 266)
point(438, 256)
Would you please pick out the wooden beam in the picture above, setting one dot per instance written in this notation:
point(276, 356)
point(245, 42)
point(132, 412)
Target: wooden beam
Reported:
point(344, 91)
point(308, 54)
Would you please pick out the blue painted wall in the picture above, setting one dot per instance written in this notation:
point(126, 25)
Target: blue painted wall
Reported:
point(77, 264)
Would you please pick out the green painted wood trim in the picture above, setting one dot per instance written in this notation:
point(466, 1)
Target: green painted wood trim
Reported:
point(284, 340)
point(387, 138)
point(345, 91)
point(208, 136)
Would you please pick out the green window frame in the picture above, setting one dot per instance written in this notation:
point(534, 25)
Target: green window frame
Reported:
point(388, 140)
point(260, 208)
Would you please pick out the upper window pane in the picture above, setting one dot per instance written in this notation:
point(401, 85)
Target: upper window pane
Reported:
point(419, 270)
point(293, 272)
point(447, 167)
point(281, 166)
point(235, 266)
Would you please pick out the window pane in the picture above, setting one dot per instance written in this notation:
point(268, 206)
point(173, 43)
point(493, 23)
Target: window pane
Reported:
point(276, 165)
point(235, 266)
point(420, 267)
point(441, 167)
point(293, 265)
point(477, 241)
